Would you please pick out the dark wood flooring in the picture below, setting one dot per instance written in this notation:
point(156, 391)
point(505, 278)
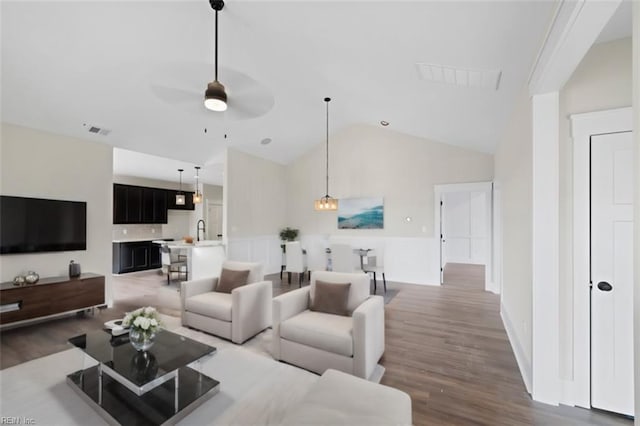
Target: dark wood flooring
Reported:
point(445, 346)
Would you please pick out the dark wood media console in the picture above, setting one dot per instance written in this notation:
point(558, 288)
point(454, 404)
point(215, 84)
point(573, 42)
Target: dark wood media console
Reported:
point(50, 296)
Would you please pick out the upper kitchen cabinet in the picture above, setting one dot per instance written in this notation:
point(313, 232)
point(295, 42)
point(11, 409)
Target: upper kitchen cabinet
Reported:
point(188, 201)
point(127, 204)
point(136, 204)
point(154, 205)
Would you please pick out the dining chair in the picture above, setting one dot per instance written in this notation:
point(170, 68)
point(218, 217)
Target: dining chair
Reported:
point(343, 259)
point(296, 261)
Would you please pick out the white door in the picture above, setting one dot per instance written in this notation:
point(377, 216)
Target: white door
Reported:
point(214, 219)
point(464, 227)
point(612, 272)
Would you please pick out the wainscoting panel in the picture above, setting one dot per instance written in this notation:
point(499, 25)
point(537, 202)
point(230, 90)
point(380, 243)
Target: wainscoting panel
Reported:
point(265, 249)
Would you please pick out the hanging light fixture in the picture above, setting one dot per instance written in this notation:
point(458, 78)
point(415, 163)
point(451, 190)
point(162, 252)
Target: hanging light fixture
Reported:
point(215, 97)
point(197, 196)
point(180, 198)
point(327, 203)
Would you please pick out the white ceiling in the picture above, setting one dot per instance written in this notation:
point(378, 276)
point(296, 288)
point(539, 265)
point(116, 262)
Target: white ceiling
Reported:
point(70, 65)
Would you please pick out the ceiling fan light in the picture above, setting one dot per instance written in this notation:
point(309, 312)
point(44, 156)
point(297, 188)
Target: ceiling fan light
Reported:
point(215, 97)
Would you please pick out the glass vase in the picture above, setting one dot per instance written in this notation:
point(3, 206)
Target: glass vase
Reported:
point(141, 340)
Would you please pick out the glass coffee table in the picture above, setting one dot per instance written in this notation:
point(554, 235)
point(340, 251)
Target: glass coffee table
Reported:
point(159, 386)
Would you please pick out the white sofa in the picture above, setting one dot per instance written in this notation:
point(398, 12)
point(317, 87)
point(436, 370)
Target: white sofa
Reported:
point(339, 399)
point(318, 341)
point(236, 316)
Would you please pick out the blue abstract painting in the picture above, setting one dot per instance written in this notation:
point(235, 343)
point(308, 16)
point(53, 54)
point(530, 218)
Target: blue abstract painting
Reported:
point(361, 213)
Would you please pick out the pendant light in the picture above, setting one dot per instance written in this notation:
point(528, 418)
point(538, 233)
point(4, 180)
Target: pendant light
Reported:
point(327, 203)
point(180, 198)
point(197, 196)
point(215, 97)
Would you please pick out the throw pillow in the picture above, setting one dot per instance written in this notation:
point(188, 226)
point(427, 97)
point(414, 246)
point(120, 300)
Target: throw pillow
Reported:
point(331, 298)
point(230, 279)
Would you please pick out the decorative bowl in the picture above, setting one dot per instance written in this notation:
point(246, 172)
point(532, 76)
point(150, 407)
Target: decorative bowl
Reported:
point(31, 277)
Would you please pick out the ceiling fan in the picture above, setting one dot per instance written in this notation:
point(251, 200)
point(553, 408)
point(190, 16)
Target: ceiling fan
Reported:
point(240, 98)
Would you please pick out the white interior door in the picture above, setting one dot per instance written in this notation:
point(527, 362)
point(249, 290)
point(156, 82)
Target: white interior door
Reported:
point(464, 227)
point(214, 216)
point(612, 272)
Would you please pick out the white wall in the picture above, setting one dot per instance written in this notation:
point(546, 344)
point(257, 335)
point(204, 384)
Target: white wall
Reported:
point(44, 165)
point(373, 161)
point(514, 176)
point(636, 247)
point(603, 80)
point(369, 161)
point(255, 208)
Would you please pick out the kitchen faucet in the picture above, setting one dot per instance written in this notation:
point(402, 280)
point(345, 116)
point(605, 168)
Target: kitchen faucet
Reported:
point(198, 229)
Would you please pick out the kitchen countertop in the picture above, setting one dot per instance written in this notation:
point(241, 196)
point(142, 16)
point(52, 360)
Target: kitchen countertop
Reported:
point(133, 240)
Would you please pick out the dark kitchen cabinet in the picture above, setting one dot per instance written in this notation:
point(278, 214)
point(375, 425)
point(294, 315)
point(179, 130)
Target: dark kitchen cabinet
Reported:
point(188, 202)
point(137, 204)
point(135, 256)
point(154, 205)
point(127, 204)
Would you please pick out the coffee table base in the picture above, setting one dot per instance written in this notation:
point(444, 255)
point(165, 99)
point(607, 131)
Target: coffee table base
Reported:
point(156, 407)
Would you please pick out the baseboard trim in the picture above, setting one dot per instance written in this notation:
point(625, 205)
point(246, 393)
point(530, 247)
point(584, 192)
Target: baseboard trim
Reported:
point(523, 363)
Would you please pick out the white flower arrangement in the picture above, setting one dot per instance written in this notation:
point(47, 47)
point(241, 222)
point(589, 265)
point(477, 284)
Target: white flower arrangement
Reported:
point(145, 320)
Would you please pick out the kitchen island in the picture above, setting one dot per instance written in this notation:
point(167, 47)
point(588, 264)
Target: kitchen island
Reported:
point(204, 258)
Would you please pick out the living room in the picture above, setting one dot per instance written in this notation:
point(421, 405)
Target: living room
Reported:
point(265, 190)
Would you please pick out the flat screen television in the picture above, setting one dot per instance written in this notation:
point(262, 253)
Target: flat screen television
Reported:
point(32, 225)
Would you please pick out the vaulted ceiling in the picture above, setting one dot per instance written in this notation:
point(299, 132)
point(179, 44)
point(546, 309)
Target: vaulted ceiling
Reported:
point(139, 70)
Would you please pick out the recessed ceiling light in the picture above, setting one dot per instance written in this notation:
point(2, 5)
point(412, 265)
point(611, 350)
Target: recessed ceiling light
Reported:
point(265, 141)
point(384, 123)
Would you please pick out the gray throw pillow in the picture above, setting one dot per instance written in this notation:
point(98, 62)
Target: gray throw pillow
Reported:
point(331, 298)
point(230, 279)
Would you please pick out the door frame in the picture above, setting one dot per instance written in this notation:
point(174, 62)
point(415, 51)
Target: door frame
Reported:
point(487, 188)
point(206, 214)
point(583, 126)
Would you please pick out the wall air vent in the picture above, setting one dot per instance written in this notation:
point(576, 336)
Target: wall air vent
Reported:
point(462, 77)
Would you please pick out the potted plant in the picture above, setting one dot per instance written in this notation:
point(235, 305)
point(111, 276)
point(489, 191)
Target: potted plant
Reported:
point(288, 234)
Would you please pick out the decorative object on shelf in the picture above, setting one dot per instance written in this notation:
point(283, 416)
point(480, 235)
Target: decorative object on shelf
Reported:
point(19, 280)
point(361, 213)
point(215, 97)
point(188, 240)
point(197, 196)
point(327, 203)
point(31, 277)
point(180, 198)
point(74, 269)
point(143, 325)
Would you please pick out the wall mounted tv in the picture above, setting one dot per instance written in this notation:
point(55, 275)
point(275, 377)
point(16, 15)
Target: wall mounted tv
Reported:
point(31, 225)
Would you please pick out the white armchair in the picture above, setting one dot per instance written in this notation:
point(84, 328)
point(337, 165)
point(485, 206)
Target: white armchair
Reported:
point(236, 316)
point(318, 341)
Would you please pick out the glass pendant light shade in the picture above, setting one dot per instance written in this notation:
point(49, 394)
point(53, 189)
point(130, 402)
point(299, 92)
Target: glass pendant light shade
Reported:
point(180, 198)
point(197, 196)
point(326, 203)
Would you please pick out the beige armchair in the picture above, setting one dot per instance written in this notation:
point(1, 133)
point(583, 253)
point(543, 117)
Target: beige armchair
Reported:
point(318, 341)
point(236, 316)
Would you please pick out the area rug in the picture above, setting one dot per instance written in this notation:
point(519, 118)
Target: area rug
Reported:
point(255, 389)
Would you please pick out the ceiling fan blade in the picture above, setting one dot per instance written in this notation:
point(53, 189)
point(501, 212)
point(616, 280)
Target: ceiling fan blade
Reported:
point(177, 83)
point(174, 95)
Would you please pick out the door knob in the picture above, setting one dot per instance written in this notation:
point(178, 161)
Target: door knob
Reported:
point(604, 286)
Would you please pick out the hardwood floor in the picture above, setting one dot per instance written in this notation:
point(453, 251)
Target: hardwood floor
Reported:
point(445, 346)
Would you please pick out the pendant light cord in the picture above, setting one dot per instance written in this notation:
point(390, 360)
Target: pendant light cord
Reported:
point(327, 101)
point(216, 48)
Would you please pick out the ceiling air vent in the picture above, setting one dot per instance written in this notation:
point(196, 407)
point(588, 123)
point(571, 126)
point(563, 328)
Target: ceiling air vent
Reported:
point(462, 77)
point(97, 130)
